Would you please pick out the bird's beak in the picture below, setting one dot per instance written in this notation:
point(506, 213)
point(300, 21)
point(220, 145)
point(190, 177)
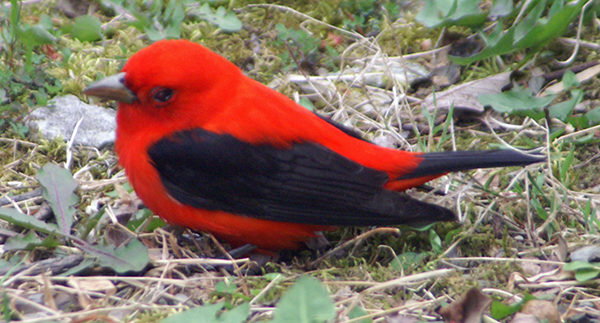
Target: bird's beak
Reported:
point(111, 88)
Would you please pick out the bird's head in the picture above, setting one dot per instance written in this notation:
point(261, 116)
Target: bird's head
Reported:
point(168, 79)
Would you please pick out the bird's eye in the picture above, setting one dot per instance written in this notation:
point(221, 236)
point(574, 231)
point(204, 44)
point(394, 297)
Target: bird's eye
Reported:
point(162, 94)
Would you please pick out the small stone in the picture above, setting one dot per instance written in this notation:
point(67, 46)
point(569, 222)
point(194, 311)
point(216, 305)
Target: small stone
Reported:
point(62, 114)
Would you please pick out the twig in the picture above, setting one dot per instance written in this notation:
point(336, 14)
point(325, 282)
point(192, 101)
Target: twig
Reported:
point(354, 240)
point(22, 197)
point(56, 265)
point(408, 279)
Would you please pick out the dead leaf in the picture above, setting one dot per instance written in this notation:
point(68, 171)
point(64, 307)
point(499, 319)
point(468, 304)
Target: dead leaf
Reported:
point(446, 75)
point(464, 96)
point(48, 295)
point(531, 268)
point(524, 318)
point(467, 309)
point(542, 310)
point(116, 235)
point(84, 287)
point(95, 285)
point(581, 77)
point(122, 193)
point(562, 250)
point(173, 243)
point(400, 318)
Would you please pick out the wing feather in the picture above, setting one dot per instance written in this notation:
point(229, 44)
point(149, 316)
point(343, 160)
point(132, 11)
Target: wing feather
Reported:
point(305, 183)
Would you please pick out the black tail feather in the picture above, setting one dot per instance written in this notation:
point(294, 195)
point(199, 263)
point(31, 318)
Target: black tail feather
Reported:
point(453, 161)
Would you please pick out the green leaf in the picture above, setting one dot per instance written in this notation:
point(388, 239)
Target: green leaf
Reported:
point(501, 8)
point(442, 13)
point(570, 80)
point(272, 276)
point(173, 31)
point(141, 217)
point(59, 186)
point(407, 259)
point(593, 117)
point(46, 22)
point(566, 165)
point(14, 16)
point(307, 104)
point(498, 43)
point(531, 32)
point(200, 314)
point(225, 288)
point(178, 14)
point(550, 29)
point(238, 314)
point(142, 21)
point(578, 265)
point(563, 109)
point(132, 257)
point(585, 140)
point(84, 265)
point(514, 100)
point(436, 242)
point(587, 274)
point(358, 311)
point(222, 18)
point(154, 35)
point(525, 25)
point(557, 5)
point(156, 5)
point(306, 302)
point(500, 310)
point(35, 36)
point(453, 233)
point(30, 241)
point(208, 314)
point(542, 213)
point(87, 28)
point(26, 221)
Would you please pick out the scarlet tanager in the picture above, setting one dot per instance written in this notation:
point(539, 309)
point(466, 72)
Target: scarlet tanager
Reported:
point(208, 148)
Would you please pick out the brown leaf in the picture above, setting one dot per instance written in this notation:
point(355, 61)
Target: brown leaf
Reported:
point(464, 96)
point(531, 268)
point(96, 285)
point(400, 318)
point(542, 310)
point(468, 309)
point(116, 235)
point(583, 76)
point(444, 76)
point(562, 250)
point(524, 318)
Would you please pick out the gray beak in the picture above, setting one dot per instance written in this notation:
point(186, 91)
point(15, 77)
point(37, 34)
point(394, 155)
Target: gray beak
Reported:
point(111, 88)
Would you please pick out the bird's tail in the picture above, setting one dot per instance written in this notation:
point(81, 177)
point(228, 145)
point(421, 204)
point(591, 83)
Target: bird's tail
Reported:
point(439, 163)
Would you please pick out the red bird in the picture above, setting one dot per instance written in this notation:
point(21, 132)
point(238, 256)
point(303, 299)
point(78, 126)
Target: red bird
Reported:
point(208, 148)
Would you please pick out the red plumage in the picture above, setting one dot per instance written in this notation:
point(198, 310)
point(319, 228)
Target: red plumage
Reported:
point(208, 148)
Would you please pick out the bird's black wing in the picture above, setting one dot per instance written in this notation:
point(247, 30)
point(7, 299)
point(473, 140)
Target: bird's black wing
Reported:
point(305, 183)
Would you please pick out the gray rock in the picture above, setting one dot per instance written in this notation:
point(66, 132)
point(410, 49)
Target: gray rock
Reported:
point(62, 114)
